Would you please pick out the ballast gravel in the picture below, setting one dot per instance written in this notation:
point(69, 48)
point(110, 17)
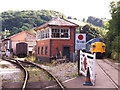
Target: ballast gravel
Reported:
point(63, 71)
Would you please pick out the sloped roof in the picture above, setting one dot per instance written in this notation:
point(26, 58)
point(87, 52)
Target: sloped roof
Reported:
point(57, 22)
point(20, 34)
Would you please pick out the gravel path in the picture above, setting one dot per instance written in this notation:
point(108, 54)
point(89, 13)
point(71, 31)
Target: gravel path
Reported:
point(63, 71)
point(10, 74)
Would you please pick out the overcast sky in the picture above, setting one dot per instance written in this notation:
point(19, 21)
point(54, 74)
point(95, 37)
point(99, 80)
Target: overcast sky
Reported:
point(75, 8)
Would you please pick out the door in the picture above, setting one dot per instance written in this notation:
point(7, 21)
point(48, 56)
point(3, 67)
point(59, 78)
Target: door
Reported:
point(66, 51)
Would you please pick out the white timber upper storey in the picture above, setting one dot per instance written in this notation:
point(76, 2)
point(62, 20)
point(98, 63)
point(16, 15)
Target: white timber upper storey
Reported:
point(53, 33)
point(58, 28)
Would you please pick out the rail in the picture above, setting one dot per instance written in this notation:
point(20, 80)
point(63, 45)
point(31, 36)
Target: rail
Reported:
point(108, 76)
point(27, 74)
point(58, 82)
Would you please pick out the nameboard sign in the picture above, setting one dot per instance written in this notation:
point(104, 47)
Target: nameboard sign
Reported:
point(80, 41)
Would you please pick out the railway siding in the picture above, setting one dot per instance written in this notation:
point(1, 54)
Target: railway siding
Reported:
point(101, 80)
point(11, 76)
point(48, 79)
point(115, 65)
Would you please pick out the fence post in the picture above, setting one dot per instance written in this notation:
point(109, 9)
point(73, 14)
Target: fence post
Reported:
point(78, 56)
point(94, 62)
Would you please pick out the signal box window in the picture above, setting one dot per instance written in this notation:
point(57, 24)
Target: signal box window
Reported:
point(60, 33)
point(43, 34)
point(55, 33)
point(64, 33)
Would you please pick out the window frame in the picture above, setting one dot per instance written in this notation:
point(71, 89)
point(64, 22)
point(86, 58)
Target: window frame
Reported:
point(47, 33)
point(60, 30)
point(43, 34)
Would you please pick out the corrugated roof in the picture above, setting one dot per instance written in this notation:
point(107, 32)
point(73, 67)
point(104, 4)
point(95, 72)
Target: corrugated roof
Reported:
point(58, 22)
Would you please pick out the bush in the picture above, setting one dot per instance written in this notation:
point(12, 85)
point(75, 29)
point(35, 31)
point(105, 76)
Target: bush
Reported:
point(116, 48)
point(114, 55)
point(31, 58)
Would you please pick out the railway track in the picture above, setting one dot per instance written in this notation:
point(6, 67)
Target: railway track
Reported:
point(117, 67)
point(26, 73)
point(108, 75)
point(24, 64)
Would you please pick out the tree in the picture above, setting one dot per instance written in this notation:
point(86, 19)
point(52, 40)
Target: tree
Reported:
point(95, 21)
point(24, 28)
point(91, 31)
point(113, 35)
point(5, 34)
point(17, 21)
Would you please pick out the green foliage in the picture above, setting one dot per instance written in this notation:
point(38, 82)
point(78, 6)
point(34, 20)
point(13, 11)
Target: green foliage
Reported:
point(116, 44)
point(90, 29)
point(94, 32)
point(95, 21)
point(106, 25)
point(116, 48)
point(113, 35)
point(101, 32)
point(3, 34)
point(17, 21)
point(114, 55)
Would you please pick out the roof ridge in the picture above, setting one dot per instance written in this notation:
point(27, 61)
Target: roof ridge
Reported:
point(43, 24)
point(55, 23)
point(30, 33)
point(71, 22)
point(16, 34)
point(20, 33)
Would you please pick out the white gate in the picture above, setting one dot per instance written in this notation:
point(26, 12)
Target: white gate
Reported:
point(87, 61)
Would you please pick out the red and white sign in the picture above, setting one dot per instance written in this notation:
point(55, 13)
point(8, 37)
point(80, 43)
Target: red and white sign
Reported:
point(80, 42)
point(80, 37)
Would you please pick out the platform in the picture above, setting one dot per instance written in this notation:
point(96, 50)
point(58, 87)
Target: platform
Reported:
point(101, 81)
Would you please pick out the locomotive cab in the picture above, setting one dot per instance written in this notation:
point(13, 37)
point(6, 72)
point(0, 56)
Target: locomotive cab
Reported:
point(97, 46)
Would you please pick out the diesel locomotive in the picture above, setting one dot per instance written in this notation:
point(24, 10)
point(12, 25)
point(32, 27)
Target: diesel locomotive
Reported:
point(96, 45)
